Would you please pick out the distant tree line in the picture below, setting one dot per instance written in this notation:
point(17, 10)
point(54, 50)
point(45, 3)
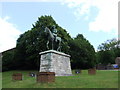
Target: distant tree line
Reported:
point(108, 51)
point(26, 54)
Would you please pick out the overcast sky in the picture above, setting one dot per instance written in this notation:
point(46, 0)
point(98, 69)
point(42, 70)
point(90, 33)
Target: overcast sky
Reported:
point(97, 20)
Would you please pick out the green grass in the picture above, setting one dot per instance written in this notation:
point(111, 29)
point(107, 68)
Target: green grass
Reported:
point(102, 79)
point(0, 80)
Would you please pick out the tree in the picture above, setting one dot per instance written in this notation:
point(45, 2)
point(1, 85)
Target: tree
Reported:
point(106, 57)
point(82, 53)
point(108, 51)
point(32, 42)
point(8, 60)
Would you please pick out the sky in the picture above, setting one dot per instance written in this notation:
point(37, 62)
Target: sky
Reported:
point(97, 20)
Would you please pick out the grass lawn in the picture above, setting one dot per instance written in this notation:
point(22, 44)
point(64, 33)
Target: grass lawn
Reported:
point(102, 79)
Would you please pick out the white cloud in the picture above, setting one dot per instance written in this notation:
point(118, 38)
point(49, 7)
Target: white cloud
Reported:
point(107, 18)
point(8, 34)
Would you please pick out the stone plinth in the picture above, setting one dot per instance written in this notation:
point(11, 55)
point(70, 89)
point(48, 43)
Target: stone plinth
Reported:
point(54, 61)
point(92, 71)
point(45, 77)
point(17, 76)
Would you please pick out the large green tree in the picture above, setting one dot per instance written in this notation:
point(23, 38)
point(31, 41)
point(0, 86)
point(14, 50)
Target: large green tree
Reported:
point(8, 60)
point(32, 42)
point(108, 51)
point(82, 53)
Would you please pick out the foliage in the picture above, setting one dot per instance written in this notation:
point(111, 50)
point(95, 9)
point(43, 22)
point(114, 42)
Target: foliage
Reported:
point(108, 51)
point(109, 44)
point(8, 60)
point(32, 42)
point(82, 53)
point(106, 57)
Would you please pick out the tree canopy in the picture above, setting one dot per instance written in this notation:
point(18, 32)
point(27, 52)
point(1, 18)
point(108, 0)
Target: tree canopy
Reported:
point(82, 53)
point(32, 42)
point(108, 51)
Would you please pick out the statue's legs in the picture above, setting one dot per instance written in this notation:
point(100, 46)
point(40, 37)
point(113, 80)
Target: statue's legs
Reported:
point(52, 44)
point(59, 46)
point(47, 44)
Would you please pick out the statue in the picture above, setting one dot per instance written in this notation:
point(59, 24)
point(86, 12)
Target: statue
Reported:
point(52, 36)
point(54, 32)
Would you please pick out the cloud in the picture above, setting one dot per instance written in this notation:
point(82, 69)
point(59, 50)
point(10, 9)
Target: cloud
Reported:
point(107, 18)
point(8, 34)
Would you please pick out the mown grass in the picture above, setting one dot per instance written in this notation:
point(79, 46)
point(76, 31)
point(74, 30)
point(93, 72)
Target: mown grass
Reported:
point(102, 79)
point(0, 80)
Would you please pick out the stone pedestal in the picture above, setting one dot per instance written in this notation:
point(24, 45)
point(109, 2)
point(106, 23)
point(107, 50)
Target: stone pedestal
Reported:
point(54, 61)
point(17, 76)
point(92, 71)
point(45, 77)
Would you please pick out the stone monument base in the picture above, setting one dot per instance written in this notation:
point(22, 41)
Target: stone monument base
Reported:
point(54, 61)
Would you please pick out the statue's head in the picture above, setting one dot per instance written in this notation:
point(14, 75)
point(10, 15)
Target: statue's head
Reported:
point(54, 30)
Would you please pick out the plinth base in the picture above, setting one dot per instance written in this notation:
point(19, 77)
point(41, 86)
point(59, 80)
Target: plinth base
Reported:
point(54, 61)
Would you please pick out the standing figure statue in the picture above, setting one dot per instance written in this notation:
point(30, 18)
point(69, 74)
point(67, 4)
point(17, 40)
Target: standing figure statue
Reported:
point(53, 38)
